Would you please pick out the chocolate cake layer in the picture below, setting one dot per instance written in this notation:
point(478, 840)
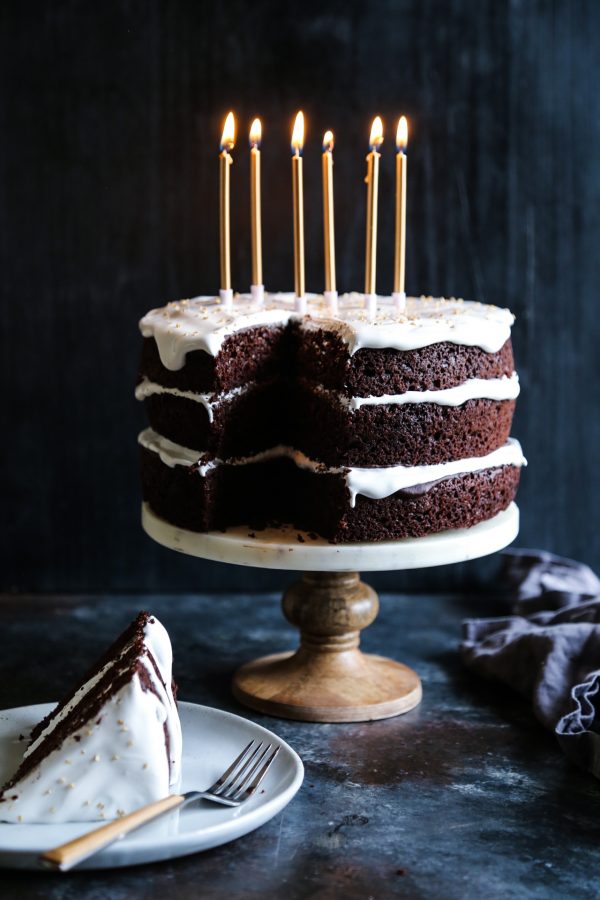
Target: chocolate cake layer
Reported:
point(242, 424)
point(255, 354)
point(278, 491)
point(322, 357)
point(412, 434)
point(261, 353)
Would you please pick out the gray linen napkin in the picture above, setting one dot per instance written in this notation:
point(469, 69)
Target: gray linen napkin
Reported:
point(549, 649)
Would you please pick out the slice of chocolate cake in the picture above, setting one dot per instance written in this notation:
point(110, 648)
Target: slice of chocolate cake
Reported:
point(112, 745)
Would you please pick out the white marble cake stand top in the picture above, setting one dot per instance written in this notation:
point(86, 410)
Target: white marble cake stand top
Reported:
point(288, 548)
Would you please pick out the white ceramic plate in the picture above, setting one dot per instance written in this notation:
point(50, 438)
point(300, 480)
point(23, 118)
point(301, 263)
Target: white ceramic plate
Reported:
point(211, 740)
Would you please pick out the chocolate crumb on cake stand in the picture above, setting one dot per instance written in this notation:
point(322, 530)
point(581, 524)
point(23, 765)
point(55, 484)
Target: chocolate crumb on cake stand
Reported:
point(328, 679)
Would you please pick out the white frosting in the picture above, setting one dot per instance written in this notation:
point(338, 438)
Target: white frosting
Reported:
point(505, 388)
point(210, 402)
point(114, 763)
point(474, 389)
point(376, 482)
point(205, 322)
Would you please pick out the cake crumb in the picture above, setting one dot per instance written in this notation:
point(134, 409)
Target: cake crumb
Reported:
point(145, 766)
point(120, 813)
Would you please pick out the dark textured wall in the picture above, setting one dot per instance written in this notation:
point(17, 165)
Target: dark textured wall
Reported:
point(110, 117)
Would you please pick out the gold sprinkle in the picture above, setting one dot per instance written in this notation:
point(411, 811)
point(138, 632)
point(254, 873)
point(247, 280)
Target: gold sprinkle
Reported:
point(124, 728)
point(145, 766)
point(120, 722)
point(19, 818)
point(71, 785)
point(67, 762)
point(62, 780)
point(96, 758)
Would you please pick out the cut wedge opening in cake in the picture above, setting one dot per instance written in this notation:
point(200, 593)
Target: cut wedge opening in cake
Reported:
point(112, 745)
point(356, 426)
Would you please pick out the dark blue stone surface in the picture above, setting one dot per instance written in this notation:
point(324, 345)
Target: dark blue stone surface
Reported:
point(465, 797)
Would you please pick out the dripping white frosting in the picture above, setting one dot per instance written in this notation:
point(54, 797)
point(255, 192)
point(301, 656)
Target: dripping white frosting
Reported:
point(375, 483)
point(114, 763)
point(210, 402)
point(505, 388)
point(203, 323)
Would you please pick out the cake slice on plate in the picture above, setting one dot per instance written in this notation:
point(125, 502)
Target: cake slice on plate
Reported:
point(109, 747)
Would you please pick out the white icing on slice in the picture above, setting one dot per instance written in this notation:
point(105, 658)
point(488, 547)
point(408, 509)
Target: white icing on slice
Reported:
point(117, 766)
point(375, 483)
point(204, 323)
point(115, 762)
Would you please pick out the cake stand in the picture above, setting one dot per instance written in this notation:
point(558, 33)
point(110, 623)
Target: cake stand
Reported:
point(328, 679)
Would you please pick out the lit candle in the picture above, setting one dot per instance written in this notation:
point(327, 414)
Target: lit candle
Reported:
point(227, 144)
point(298, 198)
point(399, 294)
point(256, 288)
point(328, 221)
point(372, 180)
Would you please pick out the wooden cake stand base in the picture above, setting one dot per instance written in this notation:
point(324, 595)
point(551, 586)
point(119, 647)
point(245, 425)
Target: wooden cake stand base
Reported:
point(328, 679)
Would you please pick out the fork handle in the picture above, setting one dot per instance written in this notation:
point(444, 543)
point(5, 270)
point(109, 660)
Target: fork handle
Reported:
point(70, 854)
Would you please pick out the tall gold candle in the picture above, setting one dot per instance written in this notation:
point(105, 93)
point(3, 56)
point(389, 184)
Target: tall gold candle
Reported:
point(225, 161)
point(328, 221)
point(255, 208)
point(372, 180)
point(298, 200)
point(400, 249)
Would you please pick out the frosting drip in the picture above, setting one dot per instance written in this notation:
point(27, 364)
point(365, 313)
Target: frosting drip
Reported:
point(375, 483)
point(203, 323)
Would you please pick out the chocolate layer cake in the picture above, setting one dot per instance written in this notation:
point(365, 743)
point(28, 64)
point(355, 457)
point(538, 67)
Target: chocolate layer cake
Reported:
point(358, 427)
point(112, 745)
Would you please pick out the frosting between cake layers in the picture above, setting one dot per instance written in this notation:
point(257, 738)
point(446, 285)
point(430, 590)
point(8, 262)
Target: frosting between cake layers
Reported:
point(203, 323)
point(505, 388)
point(374, 483)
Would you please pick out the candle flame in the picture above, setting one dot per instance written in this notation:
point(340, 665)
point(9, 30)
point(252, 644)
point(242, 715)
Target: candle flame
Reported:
point(376, 137)
point(228, 138)
point(402, 134)
point(298, 133)
point(255, 133)
point(328, 141)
